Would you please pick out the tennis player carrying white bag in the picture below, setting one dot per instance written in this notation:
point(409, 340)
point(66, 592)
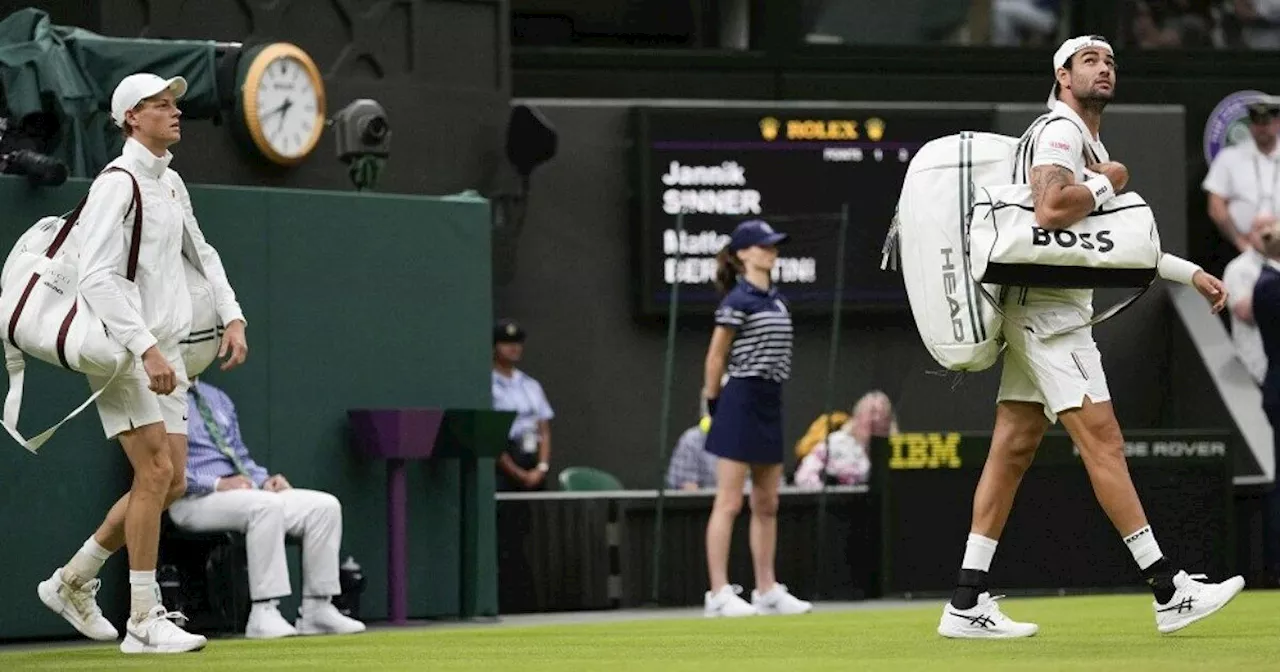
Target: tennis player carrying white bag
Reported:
point(967, 237)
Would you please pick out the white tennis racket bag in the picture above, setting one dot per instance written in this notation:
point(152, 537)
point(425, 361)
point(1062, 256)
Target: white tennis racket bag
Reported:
point(200, 347)
point(930, 235)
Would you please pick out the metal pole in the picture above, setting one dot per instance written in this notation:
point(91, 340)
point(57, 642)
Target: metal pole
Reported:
point(837, 302)
point(664, 422)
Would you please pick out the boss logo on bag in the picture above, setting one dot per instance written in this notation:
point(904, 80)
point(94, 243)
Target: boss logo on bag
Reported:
point(1100, 241)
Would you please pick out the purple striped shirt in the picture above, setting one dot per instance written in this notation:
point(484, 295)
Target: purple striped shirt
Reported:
point(206, 463)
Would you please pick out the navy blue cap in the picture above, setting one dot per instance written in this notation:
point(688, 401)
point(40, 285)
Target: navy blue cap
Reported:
point(507, 331)
point(755, 232)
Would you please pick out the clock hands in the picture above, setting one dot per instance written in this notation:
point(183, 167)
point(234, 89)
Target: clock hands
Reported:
point(284, 111)
point(279, 110)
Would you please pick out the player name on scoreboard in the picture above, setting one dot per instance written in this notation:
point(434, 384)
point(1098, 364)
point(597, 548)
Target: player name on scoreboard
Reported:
point(697, 262)
point(709, 201)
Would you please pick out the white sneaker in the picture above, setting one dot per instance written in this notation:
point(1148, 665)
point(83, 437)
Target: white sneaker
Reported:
point(325, 619)
point(265, 622)
point(78, 605)
point(725, 602)
point(1193, 600)
point(983, 621)
point(778, 600)
point(158, 634)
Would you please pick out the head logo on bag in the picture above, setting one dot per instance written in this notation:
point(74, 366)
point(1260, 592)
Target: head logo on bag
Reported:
point(930, 235)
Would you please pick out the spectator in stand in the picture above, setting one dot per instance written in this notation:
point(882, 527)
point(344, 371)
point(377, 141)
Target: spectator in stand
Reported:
point(848, 462)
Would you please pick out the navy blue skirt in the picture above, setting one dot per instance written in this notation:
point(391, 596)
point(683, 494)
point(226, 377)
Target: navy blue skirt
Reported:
point(747, 426)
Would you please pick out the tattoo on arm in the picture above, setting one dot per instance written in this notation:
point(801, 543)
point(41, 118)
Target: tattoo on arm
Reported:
point(1044, 179)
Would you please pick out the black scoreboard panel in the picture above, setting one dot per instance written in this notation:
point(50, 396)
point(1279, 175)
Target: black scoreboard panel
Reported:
point(795, 168)
point(1057, 537)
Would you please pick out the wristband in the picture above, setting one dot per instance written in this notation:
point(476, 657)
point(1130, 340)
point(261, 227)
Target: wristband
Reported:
point(544, 467)
point(1100, 188)
point(1176, 269)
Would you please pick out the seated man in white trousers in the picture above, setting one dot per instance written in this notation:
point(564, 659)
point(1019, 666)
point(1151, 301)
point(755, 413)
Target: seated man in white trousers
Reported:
point(227, 490)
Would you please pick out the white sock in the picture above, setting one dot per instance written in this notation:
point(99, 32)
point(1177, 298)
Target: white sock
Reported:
point(309, 603)
point(144, 594)
point(85, 564)
point(1142, 544)
point(978, 552)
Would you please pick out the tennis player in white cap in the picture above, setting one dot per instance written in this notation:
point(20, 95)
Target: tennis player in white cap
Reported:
point(145, 406)
point(1049, 378)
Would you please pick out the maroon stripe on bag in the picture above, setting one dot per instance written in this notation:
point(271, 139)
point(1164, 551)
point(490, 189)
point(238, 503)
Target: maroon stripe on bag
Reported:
point(17, 311)
point(62, 335)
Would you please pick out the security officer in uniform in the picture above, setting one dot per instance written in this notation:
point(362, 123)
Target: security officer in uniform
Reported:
point(1244, 178)
point(527, 460)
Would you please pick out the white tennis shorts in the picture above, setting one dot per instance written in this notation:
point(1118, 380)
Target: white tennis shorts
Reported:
point(1058, 372)
point(128, 403)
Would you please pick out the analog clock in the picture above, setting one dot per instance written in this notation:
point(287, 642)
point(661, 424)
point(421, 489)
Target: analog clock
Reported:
point(281, 102)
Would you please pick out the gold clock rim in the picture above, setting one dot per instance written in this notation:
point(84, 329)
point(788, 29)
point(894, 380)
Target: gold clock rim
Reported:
point(248, 94)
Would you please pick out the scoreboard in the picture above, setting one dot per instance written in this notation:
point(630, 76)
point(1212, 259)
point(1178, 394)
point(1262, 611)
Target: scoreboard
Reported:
point(798, 169)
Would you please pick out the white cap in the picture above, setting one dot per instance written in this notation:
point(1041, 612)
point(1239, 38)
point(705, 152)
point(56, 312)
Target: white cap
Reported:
point(136, 88)
point(1070, 48)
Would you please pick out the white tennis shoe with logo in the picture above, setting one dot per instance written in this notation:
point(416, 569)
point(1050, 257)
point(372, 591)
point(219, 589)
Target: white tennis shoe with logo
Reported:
point(983, 621)
point(78, 605)
point(1193, 600)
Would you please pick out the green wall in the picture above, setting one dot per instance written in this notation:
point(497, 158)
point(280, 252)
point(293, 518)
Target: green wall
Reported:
point(353, 301)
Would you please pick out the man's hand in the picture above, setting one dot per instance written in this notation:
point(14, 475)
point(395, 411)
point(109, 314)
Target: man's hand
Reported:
point(163, 379)
point(1115, 171)
point(235, 348)
point(276, 483)
point(234, 483)
point(1211, 289)
point(532, 478)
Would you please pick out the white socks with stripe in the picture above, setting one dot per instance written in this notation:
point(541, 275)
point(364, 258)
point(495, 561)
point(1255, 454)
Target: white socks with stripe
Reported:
point(1142, 544)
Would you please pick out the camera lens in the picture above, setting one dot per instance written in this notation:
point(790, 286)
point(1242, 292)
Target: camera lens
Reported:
point(375, 130)
point(40, 169)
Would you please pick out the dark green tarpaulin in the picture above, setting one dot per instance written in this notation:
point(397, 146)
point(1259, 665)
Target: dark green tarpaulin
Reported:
point(71, 73)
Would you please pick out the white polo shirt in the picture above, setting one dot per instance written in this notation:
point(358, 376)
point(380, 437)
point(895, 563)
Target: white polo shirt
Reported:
point(1249, 181)
point(1240, 276)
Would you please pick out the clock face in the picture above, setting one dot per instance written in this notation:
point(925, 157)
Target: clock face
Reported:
point(289, 107)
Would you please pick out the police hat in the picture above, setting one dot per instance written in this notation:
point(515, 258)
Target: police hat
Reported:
point(1260, 111)
point(507, 331)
